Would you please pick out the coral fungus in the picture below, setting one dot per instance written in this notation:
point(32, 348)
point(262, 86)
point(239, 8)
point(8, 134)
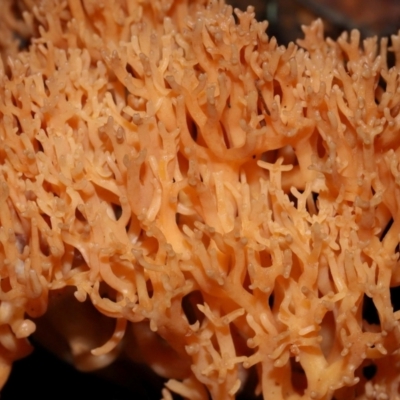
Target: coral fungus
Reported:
point(228, 206)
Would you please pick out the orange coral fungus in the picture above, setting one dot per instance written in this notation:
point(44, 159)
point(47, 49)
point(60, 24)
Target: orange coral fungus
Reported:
point(222, 202)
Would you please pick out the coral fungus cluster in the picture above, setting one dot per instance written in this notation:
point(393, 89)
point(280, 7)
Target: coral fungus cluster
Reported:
point(230, 207)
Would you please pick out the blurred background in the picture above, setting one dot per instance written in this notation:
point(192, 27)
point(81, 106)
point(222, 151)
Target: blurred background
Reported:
point(371, 17)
